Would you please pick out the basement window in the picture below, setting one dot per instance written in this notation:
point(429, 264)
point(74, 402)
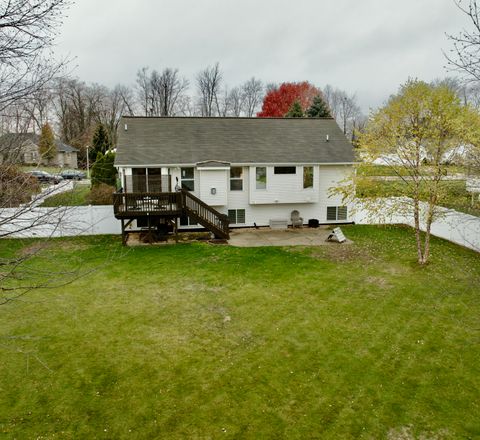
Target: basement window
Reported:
point(285, 170)
point(336, 213)
point(236, 216)
point(185, 220)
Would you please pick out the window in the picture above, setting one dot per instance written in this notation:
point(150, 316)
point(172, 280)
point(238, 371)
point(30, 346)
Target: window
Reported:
point(236, 216)
point(236, 179)
point(139, 180)
point(154, 179)
point(187, 178)
point(307, 177)
point(185, 220)
point(261, 177)
point(285, 170)
point(336, 213)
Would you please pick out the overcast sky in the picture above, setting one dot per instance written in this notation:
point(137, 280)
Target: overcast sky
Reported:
point(366, 47)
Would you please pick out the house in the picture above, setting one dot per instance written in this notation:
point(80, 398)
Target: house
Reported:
point(23, 148)
point(236, 171)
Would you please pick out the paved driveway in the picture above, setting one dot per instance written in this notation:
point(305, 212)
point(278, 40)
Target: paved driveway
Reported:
point(286, 237)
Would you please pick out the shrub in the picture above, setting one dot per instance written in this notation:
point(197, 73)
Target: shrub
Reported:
point(101, 194)
point(16, 187)
point(103, 170)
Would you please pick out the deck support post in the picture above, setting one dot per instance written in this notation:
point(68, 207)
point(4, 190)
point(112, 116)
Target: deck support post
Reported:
point(124, 239)
point(176, 228)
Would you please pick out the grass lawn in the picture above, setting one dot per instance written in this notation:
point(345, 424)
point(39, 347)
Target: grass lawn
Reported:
point(453, 194)
point(197, 341)
point(76, 197)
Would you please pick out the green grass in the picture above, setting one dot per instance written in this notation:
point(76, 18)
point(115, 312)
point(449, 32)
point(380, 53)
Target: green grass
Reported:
point(197, 341)
point(78, 196)
point(453, 193)
point(386, 170)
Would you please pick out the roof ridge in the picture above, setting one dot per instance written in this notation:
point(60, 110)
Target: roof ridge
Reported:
point(329, 118)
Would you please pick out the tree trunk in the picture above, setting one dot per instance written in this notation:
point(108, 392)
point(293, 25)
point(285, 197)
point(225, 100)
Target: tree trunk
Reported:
point(416, 215)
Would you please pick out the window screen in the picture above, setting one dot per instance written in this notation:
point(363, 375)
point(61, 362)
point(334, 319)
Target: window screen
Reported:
point(236, 216)
point(336, 213)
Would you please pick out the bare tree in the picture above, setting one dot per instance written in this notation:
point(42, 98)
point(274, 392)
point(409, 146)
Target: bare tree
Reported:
point(113, 105)
point(159, 93)
point(78, 108)
point(344, 109)
point(464, 57)
point(143, 90)
point(236, 99)
point(348, 112)
point(209, 81)
point(253, 92)
point(27, 32)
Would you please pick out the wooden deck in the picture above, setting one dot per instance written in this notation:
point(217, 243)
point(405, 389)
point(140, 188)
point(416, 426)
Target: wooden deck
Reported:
point(169, 206)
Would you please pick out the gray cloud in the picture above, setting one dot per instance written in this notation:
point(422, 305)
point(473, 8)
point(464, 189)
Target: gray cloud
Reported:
point(367, 47)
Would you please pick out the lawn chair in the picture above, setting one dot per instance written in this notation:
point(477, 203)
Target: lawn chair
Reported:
point(296, 219)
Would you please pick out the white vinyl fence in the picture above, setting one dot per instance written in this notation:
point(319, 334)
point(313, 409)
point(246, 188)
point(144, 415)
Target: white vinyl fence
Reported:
point(58, 222)
point(460, 228)
point(457, 227)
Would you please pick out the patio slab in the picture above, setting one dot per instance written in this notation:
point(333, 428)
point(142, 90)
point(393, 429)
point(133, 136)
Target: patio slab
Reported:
point(286, 237)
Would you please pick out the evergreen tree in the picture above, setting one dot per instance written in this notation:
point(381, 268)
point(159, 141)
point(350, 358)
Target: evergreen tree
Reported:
point(100, 142)
point(46, 143)
point(295, 110)
point(103, 170)
point(318, 109)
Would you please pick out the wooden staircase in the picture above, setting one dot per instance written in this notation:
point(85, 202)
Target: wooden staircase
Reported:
point(168, 206)
point(208, 217)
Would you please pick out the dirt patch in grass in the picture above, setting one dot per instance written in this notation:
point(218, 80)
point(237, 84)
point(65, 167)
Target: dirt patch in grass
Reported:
point(338, 252)
point(34, 248)
point(407, 433)
point(379, 282)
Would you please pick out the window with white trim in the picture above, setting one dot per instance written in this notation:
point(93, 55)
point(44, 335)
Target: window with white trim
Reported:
point(336, 213)
point(307, 177)
point(188, 178)
point(261, 177)
point(236, 216)
point(236, 179)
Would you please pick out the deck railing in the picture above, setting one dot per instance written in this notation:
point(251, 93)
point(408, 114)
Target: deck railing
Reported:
point(125, 204)
point(204, 214)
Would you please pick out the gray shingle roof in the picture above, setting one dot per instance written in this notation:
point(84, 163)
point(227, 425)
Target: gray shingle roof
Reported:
point(175, 141)
point(12, 138)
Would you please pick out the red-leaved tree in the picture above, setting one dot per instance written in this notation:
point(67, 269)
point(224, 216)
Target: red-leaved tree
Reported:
point(278, 100)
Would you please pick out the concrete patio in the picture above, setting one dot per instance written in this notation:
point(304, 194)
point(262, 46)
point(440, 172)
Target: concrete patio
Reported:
point(284, 237)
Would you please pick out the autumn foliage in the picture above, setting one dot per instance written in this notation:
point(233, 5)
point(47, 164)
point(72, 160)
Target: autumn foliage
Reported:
point(278, 101)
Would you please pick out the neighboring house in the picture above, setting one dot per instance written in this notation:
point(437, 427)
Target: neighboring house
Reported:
point(23, 148)
point(254, 171)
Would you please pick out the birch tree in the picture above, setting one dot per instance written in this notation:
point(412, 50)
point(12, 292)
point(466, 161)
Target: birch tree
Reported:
point(411, 134)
